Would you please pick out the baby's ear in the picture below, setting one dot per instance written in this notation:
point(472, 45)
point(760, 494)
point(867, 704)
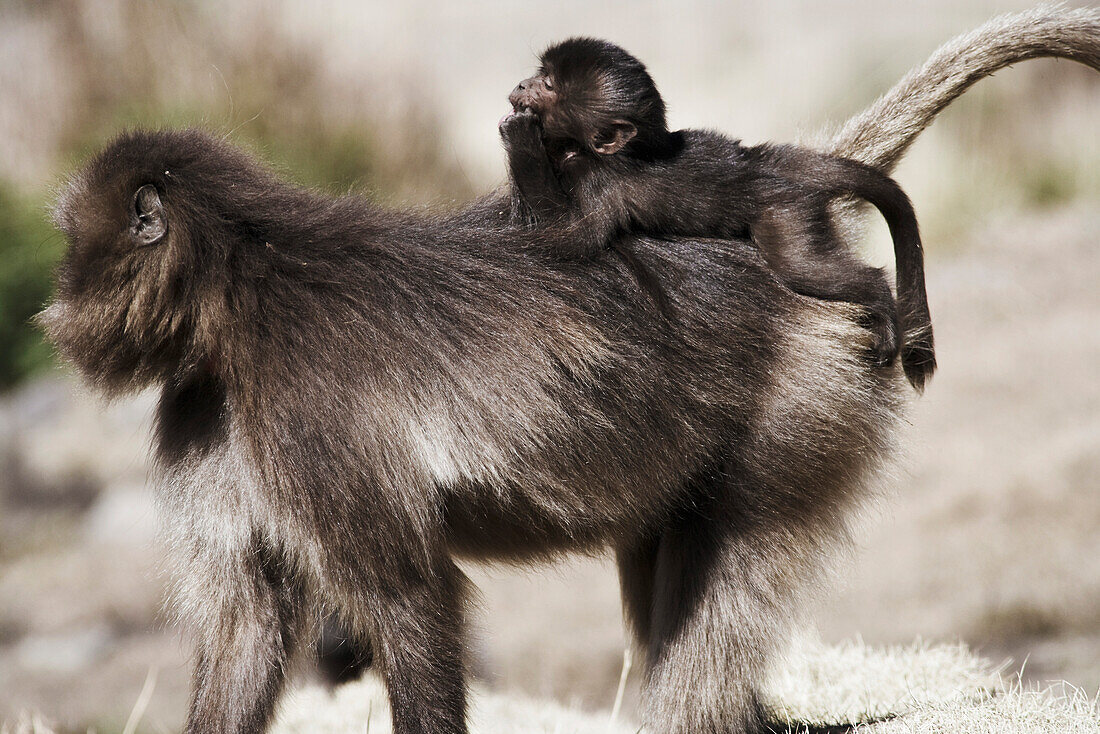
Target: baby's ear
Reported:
point(611, 139)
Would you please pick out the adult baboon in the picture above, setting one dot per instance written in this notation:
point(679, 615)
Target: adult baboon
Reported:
point(880, 135)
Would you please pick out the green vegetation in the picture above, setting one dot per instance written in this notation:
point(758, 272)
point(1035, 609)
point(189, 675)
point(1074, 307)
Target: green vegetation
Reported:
point(29, 248)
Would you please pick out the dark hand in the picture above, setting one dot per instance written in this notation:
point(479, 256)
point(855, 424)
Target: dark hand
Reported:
point(521, 131)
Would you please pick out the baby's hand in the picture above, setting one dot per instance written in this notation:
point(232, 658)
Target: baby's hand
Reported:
point(521, 130)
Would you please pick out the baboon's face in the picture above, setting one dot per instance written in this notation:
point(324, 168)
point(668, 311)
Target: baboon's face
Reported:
point(592, 93)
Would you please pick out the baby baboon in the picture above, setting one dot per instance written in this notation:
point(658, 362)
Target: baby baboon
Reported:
point(591, 156)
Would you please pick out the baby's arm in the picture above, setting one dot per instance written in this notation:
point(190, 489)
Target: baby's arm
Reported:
point(539, 200)
point(537, 195)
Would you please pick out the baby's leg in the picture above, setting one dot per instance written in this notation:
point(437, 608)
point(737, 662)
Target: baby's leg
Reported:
point(799, 244)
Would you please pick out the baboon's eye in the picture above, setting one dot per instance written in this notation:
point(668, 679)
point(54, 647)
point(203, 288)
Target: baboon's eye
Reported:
point(548, 82)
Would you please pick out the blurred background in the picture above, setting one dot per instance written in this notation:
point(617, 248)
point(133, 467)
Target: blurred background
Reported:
point(988, 532)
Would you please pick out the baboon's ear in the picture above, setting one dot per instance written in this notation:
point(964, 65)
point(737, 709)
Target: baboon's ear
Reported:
point(149, 222)
point(614, 137)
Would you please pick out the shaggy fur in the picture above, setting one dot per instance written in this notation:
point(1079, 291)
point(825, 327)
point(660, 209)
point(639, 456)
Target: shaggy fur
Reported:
point(591, 157)
point(353, 398)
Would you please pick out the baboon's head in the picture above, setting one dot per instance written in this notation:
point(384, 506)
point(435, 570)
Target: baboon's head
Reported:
point(596, 94)
point(138, 285)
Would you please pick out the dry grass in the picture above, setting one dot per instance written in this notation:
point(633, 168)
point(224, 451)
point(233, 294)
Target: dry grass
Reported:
point(921, 689)
point(362, 706)
point(853, 682)
point(1015, 710)
point(917, 689)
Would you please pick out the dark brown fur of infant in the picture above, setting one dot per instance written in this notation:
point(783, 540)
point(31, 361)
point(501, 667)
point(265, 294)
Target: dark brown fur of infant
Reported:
point(591, 157)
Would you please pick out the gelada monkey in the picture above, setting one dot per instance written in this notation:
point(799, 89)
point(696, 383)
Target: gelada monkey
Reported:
point(352, 398)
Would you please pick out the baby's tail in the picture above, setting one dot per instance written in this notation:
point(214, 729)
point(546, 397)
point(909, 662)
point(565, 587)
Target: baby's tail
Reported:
point(918, 355)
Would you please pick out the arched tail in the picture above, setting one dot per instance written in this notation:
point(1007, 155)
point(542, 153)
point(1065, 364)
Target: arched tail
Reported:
point(880, 135)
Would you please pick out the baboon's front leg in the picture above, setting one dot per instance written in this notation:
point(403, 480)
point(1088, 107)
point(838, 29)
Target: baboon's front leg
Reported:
point(246, 637)
point(419, 637)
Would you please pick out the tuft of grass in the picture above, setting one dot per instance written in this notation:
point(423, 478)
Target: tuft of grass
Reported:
point(853, 683)
point(1014, 709)
point(918, 689)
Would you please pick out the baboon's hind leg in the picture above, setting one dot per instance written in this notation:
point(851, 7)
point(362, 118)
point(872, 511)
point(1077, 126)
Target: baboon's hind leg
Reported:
point(342, 656)
point(637, 565)
point(725, 588)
